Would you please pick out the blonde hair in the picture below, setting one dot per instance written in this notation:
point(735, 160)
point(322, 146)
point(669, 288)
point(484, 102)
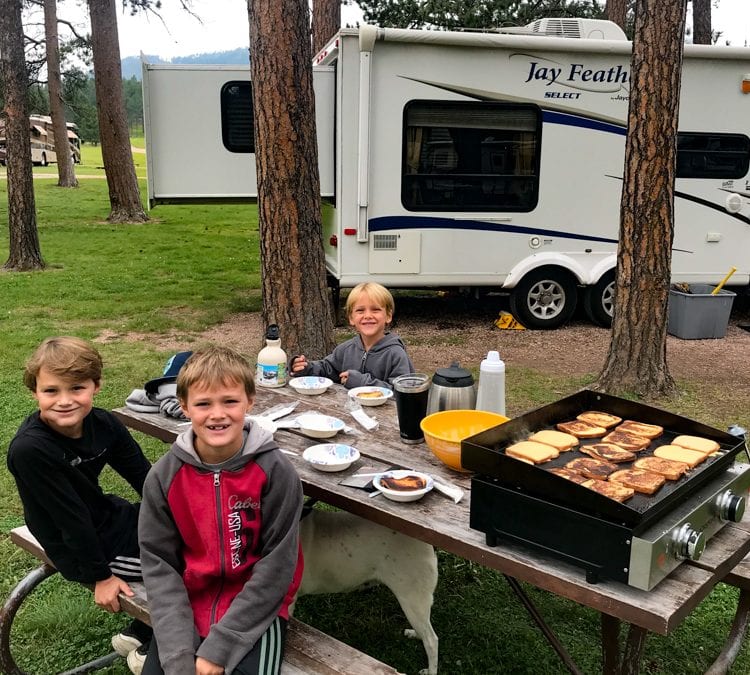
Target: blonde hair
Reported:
point(70, 358)
point(213, 365)
point(377, 293)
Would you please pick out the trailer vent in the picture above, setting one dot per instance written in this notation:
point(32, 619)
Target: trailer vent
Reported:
point(385, 242)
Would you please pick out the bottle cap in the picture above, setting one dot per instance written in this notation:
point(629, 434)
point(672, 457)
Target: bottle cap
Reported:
point(272, 332)
point(493, 362)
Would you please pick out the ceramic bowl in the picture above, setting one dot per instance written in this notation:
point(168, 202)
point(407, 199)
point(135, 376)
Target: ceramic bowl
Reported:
point(331, 456)
point(319, 426)
point(403, 495)
point(310, 385)
point(444, 431)
point(370, 396)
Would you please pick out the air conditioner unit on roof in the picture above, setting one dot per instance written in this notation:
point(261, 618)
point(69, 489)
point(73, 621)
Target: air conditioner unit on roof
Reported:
point(591, 29)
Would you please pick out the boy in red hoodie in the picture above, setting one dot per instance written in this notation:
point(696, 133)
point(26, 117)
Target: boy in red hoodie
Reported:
point(219, 531)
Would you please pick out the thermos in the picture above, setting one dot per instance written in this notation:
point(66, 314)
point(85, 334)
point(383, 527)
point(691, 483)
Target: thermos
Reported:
point(452, 389)
point(491, 390)
point(270, 369)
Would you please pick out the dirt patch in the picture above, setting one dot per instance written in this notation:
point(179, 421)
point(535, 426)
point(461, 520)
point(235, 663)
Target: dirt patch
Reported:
point(439, 330)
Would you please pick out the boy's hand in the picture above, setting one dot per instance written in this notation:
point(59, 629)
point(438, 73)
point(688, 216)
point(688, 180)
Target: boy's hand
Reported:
point(344, 376)
point(206, 667)
point(299, 363)
point(106, 592)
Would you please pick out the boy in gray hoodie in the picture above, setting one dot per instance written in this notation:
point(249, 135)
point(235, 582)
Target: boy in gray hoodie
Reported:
point(374, 356)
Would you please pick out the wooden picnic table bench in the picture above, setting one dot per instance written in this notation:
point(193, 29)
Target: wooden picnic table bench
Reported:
point(659, 611)
point(308, 651)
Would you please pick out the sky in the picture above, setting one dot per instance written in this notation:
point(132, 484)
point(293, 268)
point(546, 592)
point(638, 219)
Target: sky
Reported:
point(224, 27)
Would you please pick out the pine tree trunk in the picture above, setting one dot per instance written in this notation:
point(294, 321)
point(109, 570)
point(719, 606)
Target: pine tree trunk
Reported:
point(295, 295)
point(702, 22)
point(617, 11)
point(124, 195)
point(66, 176)
point(637, 359)
point(326, 21)
point(23, 241)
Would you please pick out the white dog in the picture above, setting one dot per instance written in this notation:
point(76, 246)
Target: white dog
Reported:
point(344, 552)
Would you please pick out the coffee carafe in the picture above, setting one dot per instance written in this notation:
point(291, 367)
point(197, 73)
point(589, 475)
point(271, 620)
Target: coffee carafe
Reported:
point(452, 389)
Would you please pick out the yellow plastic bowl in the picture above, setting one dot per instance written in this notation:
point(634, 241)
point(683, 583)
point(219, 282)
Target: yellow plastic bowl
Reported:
point(444, 431)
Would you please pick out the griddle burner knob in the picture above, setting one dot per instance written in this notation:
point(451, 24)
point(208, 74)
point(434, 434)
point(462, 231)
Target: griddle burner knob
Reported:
point(689, 543)
point(731, 507)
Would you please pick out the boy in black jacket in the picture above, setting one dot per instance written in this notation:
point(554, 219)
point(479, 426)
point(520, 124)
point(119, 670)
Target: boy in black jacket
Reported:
point(56, 457)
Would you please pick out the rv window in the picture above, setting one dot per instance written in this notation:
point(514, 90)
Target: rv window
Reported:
point(467, 156)
point(237, 117)
point(701, 155)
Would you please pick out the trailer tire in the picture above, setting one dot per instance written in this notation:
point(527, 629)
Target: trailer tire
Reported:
point(545, 298)
point(599, 300)
point(44, 159)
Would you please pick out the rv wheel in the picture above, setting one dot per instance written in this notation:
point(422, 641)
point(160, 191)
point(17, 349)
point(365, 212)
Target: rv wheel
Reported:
point(599, 300)
point(544, 298)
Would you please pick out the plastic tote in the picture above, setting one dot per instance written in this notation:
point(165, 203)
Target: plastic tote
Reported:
point(699, 315)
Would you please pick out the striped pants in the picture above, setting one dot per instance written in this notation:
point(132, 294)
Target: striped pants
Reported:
point(263, 659)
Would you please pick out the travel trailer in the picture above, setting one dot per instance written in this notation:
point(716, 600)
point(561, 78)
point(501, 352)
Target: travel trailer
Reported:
point(490, 162)
point(42, 138)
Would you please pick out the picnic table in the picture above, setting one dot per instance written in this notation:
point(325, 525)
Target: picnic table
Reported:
point(439, 521)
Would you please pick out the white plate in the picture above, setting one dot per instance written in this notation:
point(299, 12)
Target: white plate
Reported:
point(331, 456)
point(319, 426)
point(312, 385)
point(263, 422)
point(403, 495)
point(384, 392)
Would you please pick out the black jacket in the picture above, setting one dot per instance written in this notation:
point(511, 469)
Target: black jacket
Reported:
point(65, 508)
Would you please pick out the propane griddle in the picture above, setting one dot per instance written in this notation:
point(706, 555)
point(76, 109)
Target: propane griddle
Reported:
point(637, 542)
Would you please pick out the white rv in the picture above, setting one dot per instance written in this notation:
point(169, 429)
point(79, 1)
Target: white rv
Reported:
point(481, 161)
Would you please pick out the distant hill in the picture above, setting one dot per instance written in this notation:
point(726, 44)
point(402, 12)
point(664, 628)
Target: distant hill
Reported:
point(131, 65)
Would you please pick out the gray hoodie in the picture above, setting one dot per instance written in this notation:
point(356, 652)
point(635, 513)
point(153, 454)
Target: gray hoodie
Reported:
point(219, 549)
point(385, 360)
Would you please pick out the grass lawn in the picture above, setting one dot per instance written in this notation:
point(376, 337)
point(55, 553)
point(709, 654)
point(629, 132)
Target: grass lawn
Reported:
point(187, 269)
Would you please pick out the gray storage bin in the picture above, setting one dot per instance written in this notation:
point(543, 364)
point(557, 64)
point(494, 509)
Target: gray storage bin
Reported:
point(699, 315)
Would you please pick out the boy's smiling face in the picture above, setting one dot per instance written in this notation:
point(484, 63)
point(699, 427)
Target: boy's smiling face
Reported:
point(64, 403)
point(369, 319)
point(217, 416)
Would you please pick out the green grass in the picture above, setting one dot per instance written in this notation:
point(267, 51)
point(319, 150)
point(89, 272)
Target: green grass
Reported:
point(188, 269)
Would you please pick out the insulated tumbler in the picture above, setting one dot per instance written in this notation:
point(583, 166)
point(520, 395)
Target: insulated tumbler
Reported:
point(411, 392)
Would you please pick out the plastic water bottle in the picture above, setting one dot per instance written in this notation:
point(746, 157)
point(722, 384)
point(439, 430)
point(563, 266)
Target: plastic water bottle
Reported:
point(491, 390)
point(270, 369)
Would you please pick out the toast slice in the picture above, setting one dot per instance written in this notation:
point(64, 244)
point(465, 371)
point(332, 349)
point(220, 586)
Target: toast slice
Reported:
point(616, 491)
point(531, 451)
point(627, 440)
point(641, 429)
point(557, 439)
point(571, 475)
point(581, 429)
point(704, 445)
point(600, 419)
point(591, 468)
point(609, 452)
point(640, 480)
point(678, 454)
point(668, 468)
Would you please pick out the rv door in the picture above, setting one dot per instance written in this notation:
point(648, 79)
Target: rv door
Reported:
point(199, 132)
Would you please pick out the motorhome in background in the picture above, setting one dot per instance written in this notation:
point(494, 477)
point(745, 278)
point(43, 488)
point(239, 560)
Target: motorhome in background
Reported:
point(488, 162)
point(42, 137)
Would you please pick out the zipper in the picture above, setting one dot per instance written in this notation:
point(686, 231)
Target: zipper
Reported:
point(364, 360)
point(222, 560)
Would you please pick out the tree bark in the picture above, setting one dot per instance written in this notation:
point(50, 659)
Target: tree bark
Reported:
point(702, 22)
point(637, 358)
point(617, 11)
point(295, 295)
point(124, 195)
point(23, 242)
point(326, 21)
point(66, 176)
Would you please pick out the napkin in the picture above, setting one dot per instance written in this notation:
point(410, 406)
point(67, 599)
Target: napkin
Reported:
point(364, 419)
